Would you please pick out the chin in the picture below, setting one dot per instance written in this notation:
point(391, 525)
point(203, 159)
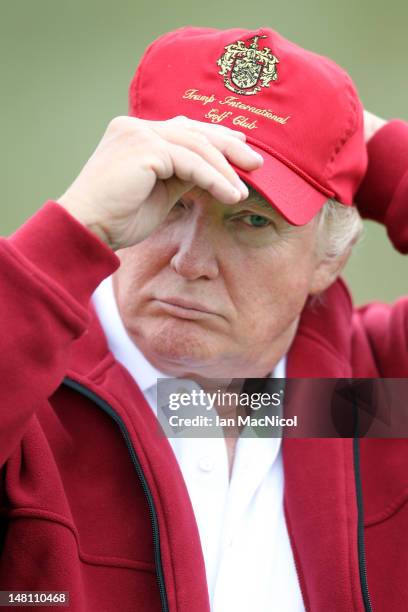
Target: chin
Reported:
point(180, 342)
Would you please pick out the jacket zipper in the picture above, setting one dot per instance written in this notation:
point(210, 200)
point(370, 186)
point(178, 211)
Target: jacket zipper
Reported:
point(362, 567)
point(360, 527)
point(107, 408)
point(360, 508)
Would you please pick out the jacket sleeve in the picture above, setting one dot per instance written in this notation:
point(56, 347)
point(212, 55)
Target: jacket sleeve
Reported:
point(48, 271)
point(383, 194)
point(383, 197)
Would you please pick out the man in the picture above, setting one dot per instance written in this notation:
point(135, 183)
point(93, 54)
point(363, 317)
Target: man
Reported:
point(213, 280)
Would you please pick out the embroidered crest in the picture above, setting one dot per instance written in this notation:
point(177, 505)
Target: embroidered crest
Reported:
point(246, 69)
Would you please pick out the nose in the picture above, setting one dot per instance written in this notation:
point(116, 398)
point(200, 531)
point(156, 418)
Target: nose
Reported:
point(195, 255)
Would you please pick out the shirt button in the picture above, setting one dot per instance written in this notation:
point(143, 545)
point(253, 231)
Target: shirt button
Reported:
point(206, 464)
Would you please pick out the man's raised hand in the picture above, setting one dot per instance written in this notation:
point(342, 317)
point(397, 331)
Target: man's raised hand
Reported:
point(141, 168)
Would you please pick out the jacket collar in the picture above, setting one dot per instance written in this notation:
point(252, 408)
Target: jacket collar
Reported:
point(322, 346)
point(320, 501)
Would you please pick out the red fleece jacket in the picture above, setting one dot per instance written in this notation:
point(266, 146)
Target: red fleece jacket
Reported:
point(92, 501)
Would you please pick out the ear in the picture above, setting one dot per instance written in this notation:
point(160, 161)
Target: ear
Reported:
point(326, 272)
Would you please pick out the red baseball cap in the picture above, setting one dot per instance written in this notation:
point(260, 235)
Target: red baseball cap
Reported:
point(299, 110)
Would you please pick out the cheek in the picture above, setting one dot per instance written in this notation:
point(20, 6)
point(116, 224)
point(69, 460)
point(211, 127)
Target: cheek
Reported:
point(271, 293)
point(142, 262)
point(139, 265)
point(135, 265)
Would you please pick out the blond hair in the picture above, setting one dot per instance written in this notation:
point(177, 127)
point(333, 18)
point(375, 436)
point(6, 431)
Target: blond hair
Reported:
point(339, 228)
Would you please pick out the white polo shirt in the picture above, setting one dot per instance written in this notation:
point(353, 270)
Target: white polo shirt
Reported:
point(247, 553)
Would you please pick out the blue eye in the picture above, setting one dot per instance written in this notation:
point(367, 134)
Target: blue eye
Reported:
point(256, 220)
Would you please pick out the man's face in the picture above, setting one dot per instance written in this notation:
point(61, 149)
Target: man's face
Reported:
point(216, 290)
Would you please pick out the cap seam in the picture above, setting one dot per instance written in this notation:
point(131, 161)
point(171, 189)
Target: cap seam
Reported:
point(350, 129)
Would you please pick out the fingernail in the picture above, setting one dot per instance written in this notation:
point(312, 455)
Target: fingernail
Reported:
point(257, 155)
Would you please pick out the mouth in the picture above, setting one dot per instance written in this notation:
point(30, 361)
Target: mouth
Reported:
point(185, 309)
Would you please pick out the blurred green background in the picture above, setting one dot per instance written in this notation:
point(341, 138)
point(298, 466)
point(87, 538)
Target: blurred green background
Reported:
point(67, 64)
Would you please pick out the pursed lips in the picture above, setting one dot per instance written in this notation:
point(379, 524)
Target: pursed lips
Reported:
point(188, 308)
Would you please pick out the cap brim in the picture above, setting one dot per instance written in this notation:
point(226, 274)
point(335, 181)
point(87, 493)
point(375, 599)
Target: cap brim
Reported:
point(296, 199)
